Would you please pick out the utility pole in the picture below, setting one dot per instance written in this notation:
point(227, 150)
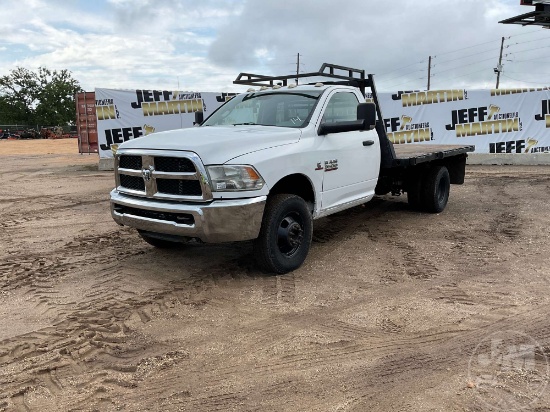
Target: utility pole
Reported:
point(297, 68)
point(498, 69)
point(429, 71)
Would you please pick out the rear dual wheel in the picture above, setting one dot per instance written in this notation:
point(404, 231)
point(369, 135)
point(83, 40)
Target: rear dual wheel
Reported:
point(429, 191)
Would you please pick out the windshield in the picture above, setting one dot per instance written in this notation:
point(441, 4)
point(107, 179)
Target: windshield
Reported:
point(284, 109)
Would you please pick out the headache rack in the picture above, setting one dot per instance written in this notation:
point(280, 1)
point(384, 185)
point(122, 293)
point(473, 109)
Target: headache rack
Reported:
point(347, 76)
point(354, 77)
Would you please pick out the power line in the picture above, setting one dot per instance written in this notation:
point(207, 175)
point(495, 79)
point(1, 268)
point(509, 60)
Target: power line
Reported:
point(406, 82)
point(537, 74)
point(465, 48)
point(438, 63)
point(528, 50)
point(466, 65)
point(528, 60)
point(463, 57)
point(468, 74)
point(523, 34)
point(523, 81)
point(403, 75)
point(487, 42)
point(404, 67)
point(529, 41)
point(488, 70)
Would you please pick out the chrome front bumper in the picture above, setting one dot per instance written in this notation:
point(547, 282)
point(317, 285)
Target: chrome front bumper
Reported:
point(219, 221)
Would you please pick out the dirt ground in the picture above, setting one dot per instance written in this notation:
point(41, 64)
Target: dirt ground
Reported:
point(393, 310)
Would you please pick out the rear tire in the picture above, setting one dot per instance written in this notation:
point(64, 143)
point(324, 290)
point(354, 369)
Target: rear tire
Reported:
point(435, 189)
point(159, 243)
point(285, 235)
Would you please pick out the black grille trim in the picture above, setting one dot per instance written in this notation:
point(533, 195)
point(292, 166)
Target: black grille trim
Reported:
point(130, 162)
point(174, 164)
point(179, 187)
point(132, 182)
point(180, 218)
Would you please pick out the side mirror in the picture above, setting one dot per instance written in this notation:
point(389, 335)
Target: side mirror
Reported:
point(199, 118)
point(366, 120)
point(367, 112)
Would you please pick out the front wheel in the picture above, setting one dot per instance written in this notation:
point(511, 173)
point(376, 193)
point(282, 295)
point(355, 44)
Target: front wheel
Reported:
point(285, 235)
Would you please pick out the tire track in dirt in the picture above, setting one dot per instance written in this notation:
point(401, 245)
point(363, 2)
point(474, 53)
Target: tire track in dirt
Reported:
point(92, 331)
point(23, 269)
point(411, 362)
point(99, 322)
point(207, 280)
point(94, 357)
point(15, 220)
point(102, 329)
point(278, 290)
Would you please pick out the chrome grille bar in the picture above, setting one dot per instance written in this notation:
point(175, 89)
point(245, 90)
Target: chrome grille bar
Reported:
point(182, 160)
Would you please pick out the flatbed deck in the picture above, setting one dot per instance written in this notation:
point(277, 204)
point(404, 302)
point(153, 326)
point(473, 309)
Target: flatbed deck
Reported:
point(413, 154)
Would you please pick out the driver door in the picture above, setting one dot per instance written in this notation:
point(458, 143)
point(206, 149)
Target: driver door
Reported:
point(351, 167)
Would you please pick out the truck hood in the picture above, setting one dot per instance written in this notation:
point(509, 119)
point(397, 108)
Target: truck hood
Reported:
point(217, 144)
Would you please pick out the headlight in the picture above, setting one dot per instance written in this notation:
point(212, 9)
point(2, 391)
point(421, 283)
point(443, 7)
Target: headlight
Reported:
point(234, 178)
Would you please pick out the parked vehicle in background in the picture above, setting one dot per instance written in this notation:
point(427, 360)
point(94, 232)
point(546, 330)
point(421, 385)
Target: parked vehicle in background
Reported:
point(30, 134)
point(269, 161)
point(6, 134)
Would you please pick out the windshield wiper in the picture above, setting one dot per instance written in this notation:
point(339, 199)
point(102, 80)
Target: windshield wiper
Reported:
point(247, 124)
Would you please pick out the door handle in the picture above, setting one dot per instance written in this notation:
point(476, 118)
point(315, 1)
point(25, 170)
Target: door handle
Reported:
point(368, 142)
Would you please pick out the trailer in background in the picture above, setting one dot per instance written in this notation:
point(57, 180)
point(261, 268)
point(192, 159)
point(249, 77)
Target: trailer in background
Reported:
point(86, 122)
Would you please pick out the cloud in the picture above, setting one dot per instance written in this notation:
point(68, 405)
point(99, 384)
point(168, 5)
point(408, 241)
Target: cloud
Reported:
point(377, 36)
point(204, 45)
point(121, 45)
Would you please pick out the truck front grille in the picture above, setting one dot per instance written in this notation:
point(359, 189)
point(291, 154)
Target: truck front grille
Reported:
point(130, 162)
point(171, 175)
point(132, 182)
point(179, 187)
point(174, 164)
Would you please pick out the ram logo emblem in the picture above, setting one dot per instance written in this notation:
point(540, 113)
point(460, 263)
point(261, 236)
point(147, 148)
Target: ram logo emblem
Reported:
point(147, 173)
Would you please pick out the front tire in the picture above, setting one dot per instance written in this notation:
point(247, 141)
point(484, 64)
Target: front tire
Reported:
point(285, 235)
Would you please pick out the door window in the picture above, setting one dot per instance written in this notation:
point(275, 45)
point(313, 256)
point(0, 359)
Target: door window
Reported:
point(340, 108)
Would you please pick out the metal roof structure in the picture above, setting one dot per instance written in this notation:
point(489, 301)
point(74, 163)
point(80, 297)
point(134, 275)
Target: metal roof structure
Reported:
point(539, 17)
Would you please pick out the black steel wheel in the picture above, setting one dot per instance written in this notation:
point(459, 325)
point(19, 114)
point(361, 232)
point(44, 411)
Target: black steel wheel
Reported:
point(285, 236)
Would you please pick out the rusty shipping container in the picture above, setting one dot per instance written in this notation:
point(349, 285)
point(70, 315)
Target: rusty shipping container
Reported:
point(86, 122)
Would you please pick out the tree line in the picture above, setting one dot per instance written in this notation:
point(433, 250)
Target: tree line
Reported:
point(42, 97)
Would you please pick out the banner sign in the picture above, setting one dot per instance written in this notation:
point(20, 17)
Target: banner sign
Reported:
point(495, 121)
point(128, 114)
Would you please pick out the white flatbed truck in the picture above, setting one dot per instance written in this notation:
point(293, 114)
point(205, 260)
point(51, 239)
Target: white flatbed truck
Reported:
point(269, 161)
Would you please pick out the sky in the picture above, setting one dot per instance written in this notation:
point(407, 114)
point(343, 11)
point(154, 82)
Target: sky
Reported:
point(203, 45)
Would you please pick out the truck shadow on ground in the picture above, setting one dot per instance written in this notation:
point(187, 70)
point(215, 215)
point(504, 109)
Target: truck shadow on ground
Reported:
point(236, 260)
